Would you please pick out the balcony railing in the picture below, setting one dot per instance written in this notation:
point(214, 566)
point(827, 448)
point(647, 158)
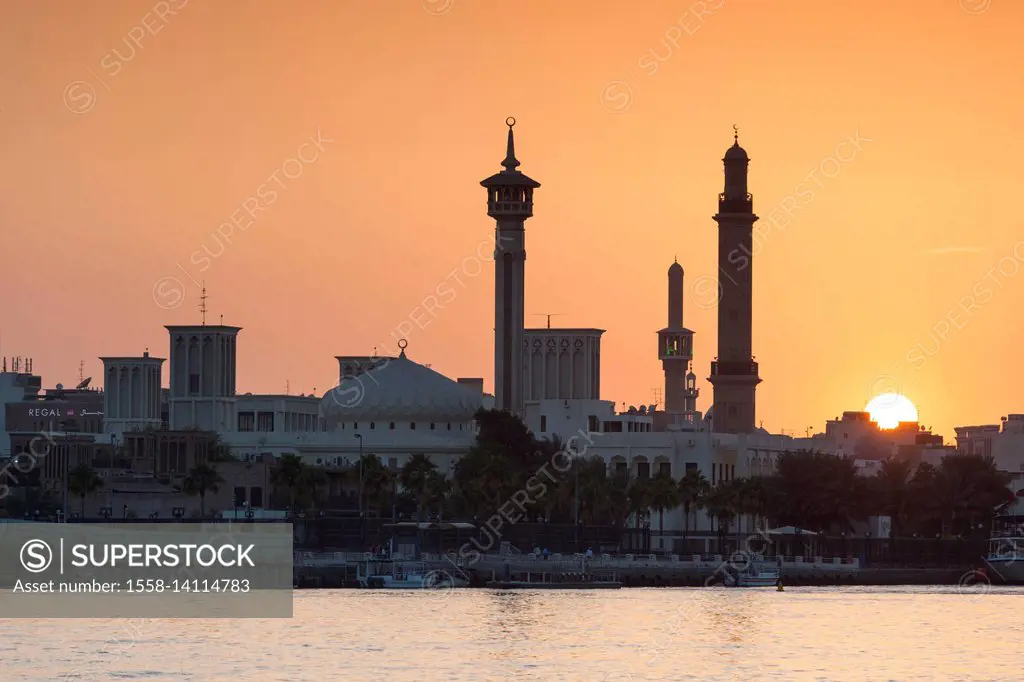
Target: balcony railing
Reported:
point(735, 205)
point(734, 368)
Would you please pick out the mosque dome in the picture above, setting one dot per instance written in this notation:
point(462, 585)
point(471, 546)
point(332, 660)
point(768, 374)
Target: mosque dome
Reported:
point(736, 153)
point(675, 267)
point(400, 390)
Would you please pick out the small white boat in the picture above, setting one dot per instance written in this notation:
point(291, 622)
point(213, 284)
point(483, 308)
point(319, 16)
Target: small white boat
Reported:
point(393, 575)
point(756, 574)
point(434, 580)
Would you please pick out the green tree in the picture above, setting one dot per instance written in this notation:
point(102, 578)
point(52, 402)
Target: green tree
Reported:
point(200, 479)
point(639, 496)
point(288, 473)
point(82, 482)
point(892, 492)
point(723, 503)
point(416, 477)
point(693, 488)
point(663, 495)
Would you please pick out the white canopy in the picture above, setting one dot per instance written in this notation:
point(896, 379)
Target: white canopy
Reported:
point(790, 530)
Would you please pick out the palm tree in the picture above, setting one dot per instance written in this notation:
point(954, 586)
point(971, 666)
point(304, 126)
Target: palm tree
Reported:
point(693, 487)
point(83, 481)
point(722, 503)
point(378, 482)
point(438, 491)
point(416, 477)
point(288, 472)
point(892, 491)
point(663, 494)
point(308, 486)
point(639, 495)
point(616, 501)
point(201, 478)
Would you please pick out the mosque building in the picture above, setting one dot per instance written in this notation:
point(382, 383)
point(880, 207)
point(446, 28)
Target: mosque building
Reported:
point(395, 407)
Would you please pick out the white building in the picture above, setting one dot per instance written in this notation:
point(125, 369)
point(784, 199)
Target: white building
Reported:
point(1005, 445)
point(131, 395)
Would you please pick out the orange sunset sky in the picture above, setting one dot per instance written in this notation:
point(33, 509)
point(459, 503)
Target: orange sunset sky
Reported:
point(130, 130)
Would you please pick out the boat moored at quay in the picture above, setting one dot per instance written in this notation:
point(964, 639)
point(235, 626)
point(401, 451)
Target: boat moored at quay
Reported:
point(1005, 557)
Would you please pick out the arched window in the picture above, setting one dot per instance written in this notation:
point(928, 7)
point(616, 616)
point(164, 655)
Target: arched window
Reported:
point(392, 426)
point(373, 426)
point(412, 425)
point(431, 426)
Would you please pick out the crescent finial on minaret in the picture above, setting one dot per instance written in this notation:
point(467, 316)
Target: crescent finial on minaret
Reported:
point(735, 133)
point(510, 162)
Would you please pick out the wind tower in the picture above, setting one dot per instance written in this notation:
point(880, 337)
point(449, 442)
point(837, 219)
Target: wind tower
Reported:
point(675, 349)
point(734, 374)
point(510, 203)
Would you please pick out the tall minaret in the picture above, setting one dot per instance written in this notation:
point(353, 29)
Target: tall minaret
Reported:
point(734, 373)
point(510, 203)
point(675, 346)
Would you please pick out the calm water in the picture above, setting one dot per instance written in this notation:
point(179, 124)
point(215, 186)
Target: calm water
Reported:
point(611, 636)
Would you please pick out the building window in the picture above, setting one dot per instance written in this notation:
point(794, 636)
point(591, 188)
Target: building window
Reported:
point(643, 470)
point(543, 423)
point(431, 426)
point(714, 469)
point(665, 468)
point(592, 423)
point(255, 497)
point(692, 466)
point(391, 426)
point(392, 463)
point(412, 425)
point(732, 471)
point(373, 426)
point(239, 496)
point(246, 422)
point(449, 426)
point(193, 383)
point(264, 421)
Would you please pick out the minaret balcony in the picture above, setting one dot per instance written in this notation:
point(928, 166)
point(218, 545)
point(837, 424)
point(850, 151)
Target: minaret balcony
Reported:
point(509, 208)
point(735, 205)
point(733, 368)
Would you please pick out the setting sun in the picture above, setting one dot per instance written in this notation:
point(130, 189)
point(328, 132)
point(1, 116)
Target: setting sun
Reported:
point(889, 409)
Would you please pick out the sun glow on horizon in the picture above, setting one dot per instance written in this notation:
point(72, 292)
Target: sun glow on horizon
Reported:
point(889, 409)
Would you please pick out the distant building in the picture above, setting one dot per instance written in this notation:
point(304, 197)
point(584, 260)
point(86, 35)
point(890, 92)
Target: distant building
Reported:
point(562, 364)
point(1004, 443)
point(202, 377)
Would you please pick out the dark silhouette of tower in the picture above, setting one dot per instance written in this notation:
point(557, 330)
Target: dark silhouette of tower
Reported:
point(510, 203)
point(734, 374)
point(675, 349)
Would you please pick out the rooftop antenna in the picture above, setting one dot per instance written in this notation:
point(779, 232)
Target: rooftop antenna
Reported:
point(287, 387)
point(222, 320)
point(549, 316)
point(202, 303)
